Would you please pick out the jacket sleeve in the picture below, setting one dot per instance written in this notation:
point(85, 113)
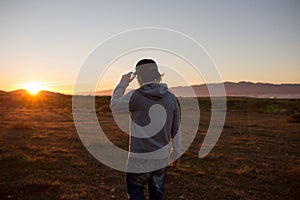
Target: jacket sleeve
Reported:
point(175, 133)
point(119, 101)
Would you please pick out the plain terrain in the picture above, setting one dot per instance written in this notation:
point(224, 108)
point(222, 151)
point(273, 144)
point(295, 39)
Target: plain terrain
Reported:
point(42, 157)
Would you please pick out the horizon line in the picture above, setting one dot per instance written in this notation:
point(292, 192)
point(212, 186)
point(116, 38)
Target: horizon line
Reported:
point(60, 92)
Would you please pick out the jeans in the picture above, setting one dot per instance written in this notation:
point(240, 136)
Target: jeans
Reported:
point(135, 183)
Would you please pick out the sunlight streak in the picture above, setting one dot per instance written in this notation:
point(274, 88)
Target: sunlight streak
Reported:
point(34, 87)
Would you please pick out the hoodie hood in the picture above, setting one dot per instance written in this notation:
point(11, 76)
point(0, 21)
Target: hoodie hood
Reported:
point(154, 91)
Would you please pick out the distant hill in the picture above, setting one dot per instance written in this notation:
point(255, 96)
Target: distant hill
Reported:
point(20, 92)
point(108, 92)
point(104, 92)
point(23, 92)
point(244, 89)
point(2, 92)
point(44, 99)
point(240, 89)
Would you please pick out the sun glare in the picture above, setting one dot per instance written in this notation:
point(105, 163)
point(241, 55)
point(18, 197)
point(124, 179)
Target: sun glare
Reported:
point(34, 87)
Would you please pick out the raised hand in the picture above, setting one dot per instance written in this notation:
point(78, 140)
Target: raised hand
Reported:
point(127, 78)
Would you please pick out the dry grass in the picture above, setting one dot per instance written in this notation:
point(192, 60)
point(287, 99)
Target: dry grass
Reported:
point(295, 118)
point(242, 170)
point(256, 157)
point(21, 125)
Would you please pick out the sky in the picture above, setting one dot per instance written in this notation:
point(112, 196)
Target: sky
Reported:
point(49, 41)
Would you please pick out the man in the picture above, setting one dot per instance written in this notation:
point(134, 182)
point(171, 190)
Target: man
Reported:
point(149, 148)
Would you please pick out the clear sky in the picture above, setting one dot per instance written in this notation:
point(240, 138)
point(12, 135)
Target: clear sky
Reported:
point(47, 41)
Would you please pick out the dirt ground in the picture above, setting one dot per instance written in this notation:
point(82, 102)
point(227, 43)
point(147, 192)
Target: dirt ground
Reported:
point(256, 157)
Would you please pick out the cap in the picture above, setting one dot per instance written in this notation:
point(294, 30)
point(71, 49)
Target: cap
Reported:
point(146, 66)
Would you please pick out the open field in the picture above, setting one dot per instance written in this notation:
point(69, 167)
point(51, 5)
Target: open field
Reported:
point(256, 157)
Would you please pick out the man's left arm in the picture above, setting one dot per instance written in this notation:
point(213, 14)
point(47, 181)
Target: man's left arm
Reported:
point(176, 136)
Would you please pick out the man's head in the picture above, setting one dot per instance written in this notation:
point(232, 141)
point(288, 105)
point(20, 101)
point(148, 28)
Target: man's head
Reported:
point(147, 71)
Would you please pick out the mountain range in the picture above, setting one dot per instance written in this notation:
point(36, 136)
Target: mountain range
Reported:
point(240, 89)
point(244, 89)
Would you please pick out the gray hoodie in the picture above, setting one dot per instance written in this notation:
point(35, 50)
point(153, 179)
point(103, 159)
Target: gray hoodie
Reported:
point(155, 119)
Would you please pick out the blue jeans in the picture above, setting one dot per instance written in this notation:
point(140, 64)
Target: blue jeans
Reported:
point(135, 183)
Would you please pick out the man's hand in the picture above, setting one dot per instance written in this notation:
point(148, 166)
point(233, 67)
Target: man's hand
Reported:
point(127, 78)
point(174, 163)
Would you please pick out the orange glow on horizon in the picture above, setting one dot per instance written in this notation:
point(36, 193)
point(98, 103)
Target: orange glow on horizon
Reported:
point(34, 87)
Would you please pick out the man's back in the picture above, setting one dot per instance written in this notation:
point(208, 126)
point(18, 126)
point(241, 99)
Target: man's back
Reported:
point(140, 103)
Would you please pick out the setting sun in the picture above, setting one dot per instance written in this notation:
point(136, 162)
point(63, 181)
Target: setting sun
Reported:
point(34, 87)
